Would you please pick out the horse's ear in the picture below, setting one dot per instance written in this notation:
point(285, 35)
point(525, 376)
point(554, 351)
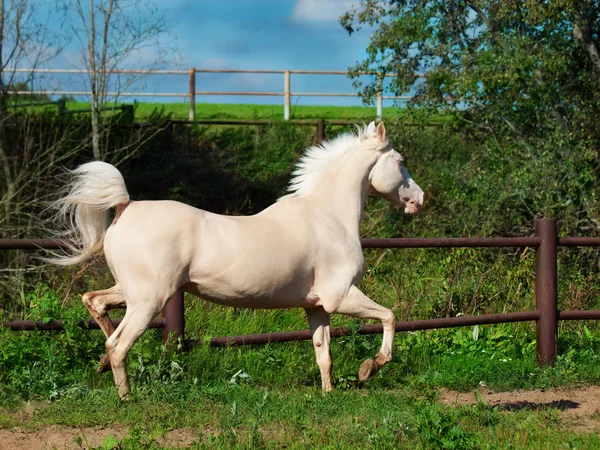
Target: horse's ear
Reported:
point(381, 135)
point(371, 129)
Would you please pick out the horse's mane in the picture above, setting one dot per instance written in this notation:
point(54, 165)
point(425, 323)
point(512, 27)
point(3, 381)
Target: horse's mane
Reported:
point(316, 160)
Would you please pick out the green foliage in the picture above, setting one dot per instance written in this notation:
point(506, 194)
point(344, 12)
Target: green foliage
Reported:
point(238, 170)
point(522, 68)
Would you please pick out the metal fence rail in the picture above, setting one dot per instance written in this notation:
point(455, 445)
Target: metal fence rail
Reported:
point(546, 314)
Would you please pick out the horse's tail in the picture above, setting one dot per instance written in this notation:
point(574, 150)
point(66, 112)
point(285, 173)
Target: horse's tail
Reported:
point(83, 210)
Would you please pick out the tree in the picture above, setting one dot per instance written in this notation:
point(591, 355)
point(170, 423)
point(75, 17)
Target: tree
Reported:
point(23, 40)
point(520, 66)
point(26, 166)
point(115, 35)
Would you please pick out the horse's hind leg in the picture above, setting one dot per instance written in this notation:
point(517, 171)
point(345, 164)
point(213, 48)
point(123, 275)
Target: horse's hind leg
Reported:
point(318, 321)
point(99, 303)
point(357, 304)
point(141, 309)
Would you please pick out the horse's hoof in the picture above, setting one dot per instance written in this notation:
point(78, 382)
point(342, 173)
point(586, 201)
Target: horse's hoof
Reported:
point(104, 364)
point(367, 369)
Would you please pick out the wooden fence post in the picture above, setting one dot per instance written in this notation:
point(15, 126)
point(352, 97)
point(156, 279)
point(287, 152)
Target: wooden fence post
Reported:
point(546, 297)
point(61, 107)
point(192, 93)
point(174, 316)
point(286, 95)
point(320, 131)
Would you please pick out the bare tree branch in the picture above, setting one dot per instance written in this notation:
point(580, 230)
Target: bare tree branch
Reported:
point(112, 32)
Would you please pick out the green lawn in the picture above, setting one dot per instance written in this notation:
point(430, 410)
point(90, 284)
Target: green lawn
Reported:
point(251, 111)
point(270, 397)
point(207, 111)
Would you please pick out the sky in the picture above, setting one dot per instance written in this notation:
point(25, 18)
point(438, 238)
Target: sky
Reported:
point(252, 34)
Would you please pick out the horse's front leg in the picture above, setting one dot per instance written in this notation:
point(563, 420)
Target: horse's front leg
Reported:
point(318, 322)
point(357, 304)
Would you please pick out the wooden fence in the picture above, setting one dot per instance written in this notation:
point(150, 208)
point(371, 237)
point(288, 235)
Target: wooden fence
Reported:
point(287, 93)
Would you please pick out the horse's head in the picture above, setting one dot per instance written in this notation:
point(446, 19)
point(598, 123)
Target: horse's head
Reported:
point(389, 177)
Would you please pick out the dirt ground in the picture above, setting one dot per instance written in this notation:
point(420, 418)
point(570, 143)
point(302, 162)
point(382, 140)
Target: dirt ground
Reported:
point(579, 409)
point(63, 438)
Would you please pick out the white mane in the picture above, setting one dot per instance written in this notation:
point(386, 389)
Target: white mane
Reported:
point(317, 159)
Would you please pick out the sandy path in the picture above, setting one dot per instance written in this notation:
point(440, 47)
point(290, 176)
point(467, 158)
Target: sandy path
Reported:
point(579, 408)
point(62, 438)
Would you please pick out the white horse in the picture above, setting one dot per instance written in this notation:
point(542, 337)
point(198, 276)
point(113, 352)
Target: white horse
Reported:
point(303, 251)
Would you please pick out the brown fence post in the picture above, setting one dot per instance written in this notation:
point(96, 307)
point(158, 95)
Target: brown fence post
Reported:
point(173, 313)
point(192, 113)
point(320, 131)
point(61, 107)
point(546, 292)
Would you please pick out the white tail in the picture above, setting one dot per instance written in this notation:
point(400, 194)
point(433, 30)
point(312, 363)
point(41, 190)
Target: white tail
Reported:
point(84, 208)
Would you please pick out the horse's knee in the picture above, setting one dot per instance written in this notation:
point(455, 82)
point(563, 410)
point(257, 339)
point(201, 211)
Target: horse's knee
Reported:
point(389, 318)
point(117, 358)
point(111, 345)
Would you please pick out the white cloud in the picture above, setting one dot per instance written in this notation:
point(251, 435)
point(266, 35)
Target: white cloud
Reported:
point(321, 10)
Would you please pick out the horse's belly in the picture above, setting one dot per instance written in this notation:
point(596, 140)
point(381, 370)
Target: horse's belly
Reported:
point(283, 285)
point(226, 296)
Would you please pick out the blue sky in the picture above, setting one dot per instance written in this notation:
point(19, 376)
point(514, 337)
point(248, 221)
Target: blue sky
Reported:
point(252, 34)
point(269, 35)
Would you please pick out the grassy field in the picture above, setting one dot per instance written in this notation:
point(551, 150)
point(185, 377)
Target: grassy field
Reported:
point(269, 397)
point(274, 112)
point(180, 110)
point(252, 111)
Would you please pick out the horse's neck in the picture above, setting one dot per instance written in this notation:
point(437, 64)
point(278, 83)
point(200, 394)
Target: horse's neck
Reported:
point(343, 192)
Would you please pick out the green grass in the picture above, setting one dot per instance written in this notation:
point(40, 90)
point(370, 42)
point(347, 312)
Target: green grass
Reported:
point(278, 403)
point(269, 396)
point(143, 110)
point(271, 112)
point(245, 417)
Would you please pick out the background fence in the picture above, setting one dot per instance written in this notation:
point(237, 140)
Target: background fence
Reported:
point(192, 92)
